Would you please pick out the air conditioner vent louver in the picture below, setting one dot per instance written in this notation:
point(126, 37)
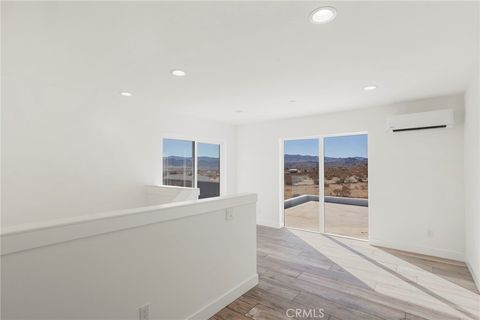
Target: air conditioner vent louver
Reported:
point(421, 121)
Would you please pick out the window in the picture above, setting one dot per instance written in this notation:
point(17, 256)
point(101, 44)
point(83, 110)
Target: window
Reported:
point(208, 173)
point(178, 165)
point(192, 164)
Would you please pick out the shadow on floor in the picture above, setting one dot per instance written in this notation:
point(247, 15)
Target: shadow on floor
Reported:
point(407, 280)
point(458, 275)
point(294, 273)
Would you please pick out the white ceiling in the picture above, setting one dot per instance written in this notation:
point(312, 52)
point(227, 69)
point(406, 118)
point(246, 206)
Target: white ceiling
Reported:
point(252, 56)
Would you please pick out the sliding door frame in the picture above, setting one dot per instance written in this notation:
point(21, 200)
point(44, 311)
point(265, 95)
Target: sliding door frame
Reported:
point(321, 180)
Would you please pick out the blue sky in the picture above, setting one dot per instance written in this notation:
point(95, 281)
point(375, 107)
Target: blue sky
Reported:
point(307, 147)
point(174, 147)
point(336, 147)
point(183, 148)
point(346, 146)
point(208, 150)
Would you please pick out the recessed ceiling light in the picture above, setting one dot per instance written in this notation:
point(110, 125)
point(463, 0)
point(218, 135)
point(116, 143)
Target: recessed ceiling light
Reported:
point(126, 94)
point(178, 73)
point(323, 15)
point(370, 88)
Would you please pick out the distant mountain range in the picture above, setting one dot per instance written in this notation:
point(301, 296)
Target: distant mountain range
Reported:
point(202, 162)
point(304, 161)
point(345, 162)
point(208, 162)
point(290, 160)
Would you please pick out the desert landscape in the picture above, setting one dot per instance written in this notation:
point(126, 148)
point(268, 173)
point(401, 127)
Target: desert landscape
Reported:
point(178, 171)
point(343, 177)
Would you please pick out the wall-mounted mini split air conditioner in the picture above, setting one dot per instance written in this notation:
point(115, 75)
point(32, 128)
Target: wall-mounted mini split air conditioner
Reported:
point(421, 121)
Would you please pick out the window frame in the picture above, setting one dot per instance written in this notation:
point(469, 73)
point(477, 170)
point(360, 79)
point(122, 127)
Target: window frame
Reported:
point(196, 141)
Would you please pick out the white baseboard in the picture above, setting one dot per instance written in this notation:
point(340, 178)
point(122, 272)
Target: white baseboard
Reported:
point(225, 299)
point(474, 274)
point(271, 224)
point(441, 253)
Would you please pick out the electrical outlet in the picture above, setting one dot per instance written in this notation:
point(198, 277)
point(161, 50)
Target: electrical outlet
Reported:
point(144, 312)
point(229, 215)
point(430, 233)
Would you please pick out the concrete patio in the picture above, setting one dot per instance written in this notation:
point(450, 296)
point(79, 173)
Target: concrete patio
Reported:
point(340, 219)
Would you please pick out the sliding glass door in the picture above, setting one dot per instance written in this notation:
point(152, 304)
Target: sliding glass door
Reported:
point(325, 184)
point(301, 184)
point(345, 163)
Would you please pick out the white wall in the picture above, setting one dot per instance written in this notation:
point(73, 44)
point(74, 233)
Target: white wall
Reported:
point(415, 178)
point(64, 157)
point(472, 179)
point(184, 260)
point(70, 143)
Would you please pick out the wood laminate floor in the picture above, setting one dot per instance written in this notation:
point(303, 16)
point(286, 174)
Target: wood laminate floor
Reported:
point(345, 279)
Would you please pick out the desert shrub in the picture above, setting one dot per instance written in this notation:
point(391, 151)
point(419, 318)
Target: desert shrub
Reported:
point(343, 192)
point(346, 191)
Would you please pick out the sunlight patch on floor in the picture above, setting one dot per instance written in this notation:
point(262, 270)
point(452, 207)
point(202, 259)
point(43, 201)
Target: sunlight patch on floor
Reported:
point(392, 276)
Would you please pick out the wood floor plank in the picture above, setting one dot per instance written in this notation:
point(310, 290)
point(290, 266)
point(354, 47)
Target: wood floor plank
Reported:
point(261, 312)
point(443, 261)
point(273, 247)
point(297, 265)
point(334, 309)
point(413, 317)
point(457, 272)
point(284, 292)
point(260, 269)
point(373, 296)
point(272, 300)
point(299, 262)
point(351, 280)
point(242, 305)
point(277, 267)
point(342, 298)
point(229, 314)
